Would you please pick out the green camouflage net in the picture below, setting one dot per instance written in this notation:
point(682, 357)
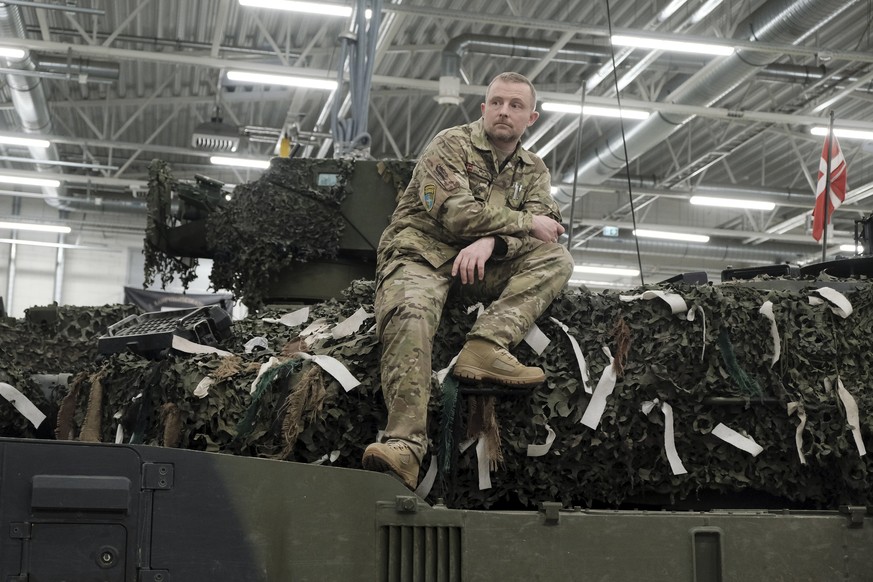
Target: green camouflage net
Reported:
point(158, 219)
point(273, 222)
point(302, 414)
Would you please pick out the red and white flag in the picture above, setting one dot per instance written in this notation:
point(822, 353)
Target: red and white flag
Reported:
point(838, 186)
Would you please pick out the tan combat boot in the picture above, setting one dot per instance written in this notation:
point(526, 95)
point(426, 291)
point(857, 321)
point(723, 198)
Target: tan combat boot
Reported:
point(483, 361)
point(395, 457)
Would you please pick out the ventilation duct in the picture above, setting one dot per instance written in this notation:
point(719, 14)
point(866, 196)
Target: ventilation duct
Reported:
point(76, 69)
point(28, 98)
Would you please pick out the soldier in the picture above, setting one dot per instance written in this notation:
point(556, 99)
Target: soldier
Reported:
point(477, 202)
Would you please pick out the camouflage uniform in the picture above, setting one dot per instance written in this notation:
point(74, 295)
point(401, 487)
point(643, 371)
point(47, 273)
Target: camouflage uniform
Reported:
point(458, 194)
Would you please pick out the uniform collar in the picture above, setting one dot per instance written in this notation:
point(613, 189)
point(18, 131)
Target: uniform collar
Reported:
point(480, 141)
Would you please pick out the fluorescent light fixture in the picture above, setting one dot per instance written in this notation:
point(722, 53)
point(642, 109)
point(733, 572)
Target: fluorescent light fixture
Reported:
point(286, 80)
point(852, 249)
point(596, 110)
point(36, 243)
point(308, 7)
point(12, 52)
point(846, 133)
point(732, 203)
point(672, 45)
point(702, 238)
point(239, 162)
point(24, 141)
point(35, 227)
point(577, 282)
point(671, 9)
point(29, 181)
point(704, 10)
point(598, 270)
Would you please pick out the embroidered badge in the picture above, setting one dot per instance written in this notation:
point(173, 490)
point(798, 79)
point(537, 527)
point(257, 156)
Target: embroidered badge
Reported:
point(446, 179)
point(428, 196)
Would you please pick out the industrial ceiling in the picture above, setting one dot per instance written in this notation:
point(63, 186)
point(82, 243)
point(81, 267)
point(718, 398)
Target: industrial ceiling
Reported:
point(113, 84)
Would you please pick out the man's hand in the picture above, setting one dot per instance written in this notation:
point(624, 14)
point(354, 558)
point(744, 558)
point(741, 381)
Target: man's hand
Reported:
point(471, 260)
point(545, 228)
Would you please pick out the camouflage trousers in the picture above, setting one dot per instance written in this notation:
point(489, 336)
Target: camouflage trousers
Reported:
point(409, 303)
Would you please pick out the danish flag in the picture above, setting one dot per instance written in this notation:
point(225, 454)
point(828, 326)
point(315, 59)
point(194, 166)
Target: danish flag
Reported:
point(838, 186)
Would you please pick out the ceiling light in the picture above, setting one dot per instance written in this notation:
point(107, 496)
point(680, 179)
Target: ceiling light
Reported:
point(36, 243)
point(286, 80)
point(852, 249)
point(24, 141)
point(596, 110)
point(598, 270)
point(239, 162)
point(704, 10)
point(702, 238)
point(847, 133)
point(29, 181)
point(671, 8)
point(308, 7)
point(732, 203)
point(12, 52)
point(35, 227)
point(577, 282)
point(672, 45)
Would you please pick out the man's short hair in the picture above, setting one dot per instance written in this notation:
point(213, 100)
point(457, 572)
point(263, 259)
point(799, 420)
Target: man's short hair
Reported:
point(510, 77)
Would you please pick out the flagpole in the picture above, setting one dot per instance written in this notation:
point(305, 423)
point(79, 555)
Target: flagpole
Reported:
point(827, 189)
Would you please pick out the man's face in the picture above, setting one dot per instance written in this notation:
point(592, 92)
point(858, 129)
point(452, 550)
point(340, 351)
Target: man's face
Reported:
point(507, 112)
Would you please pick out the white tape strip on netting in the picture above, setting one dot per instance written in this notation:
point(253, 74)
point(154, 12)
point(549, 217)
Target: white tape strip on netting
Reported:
point(732, 437)
point(674, 300)
point(669, 436)
point(256, 342)
point(540, 450)
point(423, 489)
point(536, 339)
point(580, 357)
point(797, 408)
point(767, 311)
point(292, 319)
point(22, 404)
point(189, 347)
point(602, 391)
point(483, 463)
point(351, 324)
point(853, 416)
point(335, 368)
point(839, 303)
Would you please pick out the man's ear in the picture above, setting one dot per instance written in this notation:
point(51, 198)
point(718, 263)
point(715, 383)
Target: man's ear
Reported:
point(534, 115)
point(482, 107)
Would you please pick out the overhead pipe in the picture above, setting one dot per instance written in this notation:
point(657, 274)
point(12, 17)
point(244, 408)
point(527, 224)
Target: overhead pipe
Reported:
point(28, 98)
point(78, 68)
point(777, 21)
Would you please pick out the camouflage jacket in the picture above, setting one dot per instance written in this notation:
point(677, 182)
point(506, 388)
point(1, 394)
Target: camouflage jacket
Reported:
point(458, 194)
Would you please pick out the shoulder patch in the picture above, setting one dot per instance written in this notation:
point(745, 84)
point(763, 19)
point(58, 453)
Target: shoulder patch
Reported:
point(446, 179)
point(428, 196)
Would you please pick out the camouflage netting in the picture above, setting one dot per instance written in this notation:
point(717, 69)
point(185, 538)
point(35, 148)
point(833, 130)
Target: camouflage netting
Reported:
point(158, 218)
point(300, 413)
point(270, 223)
point(50, 341)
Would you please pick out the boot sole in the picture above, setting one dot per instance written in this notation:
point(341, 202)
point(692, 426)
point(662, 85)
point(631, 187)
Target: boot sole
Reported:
point(375, 463)
point(472, 374)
